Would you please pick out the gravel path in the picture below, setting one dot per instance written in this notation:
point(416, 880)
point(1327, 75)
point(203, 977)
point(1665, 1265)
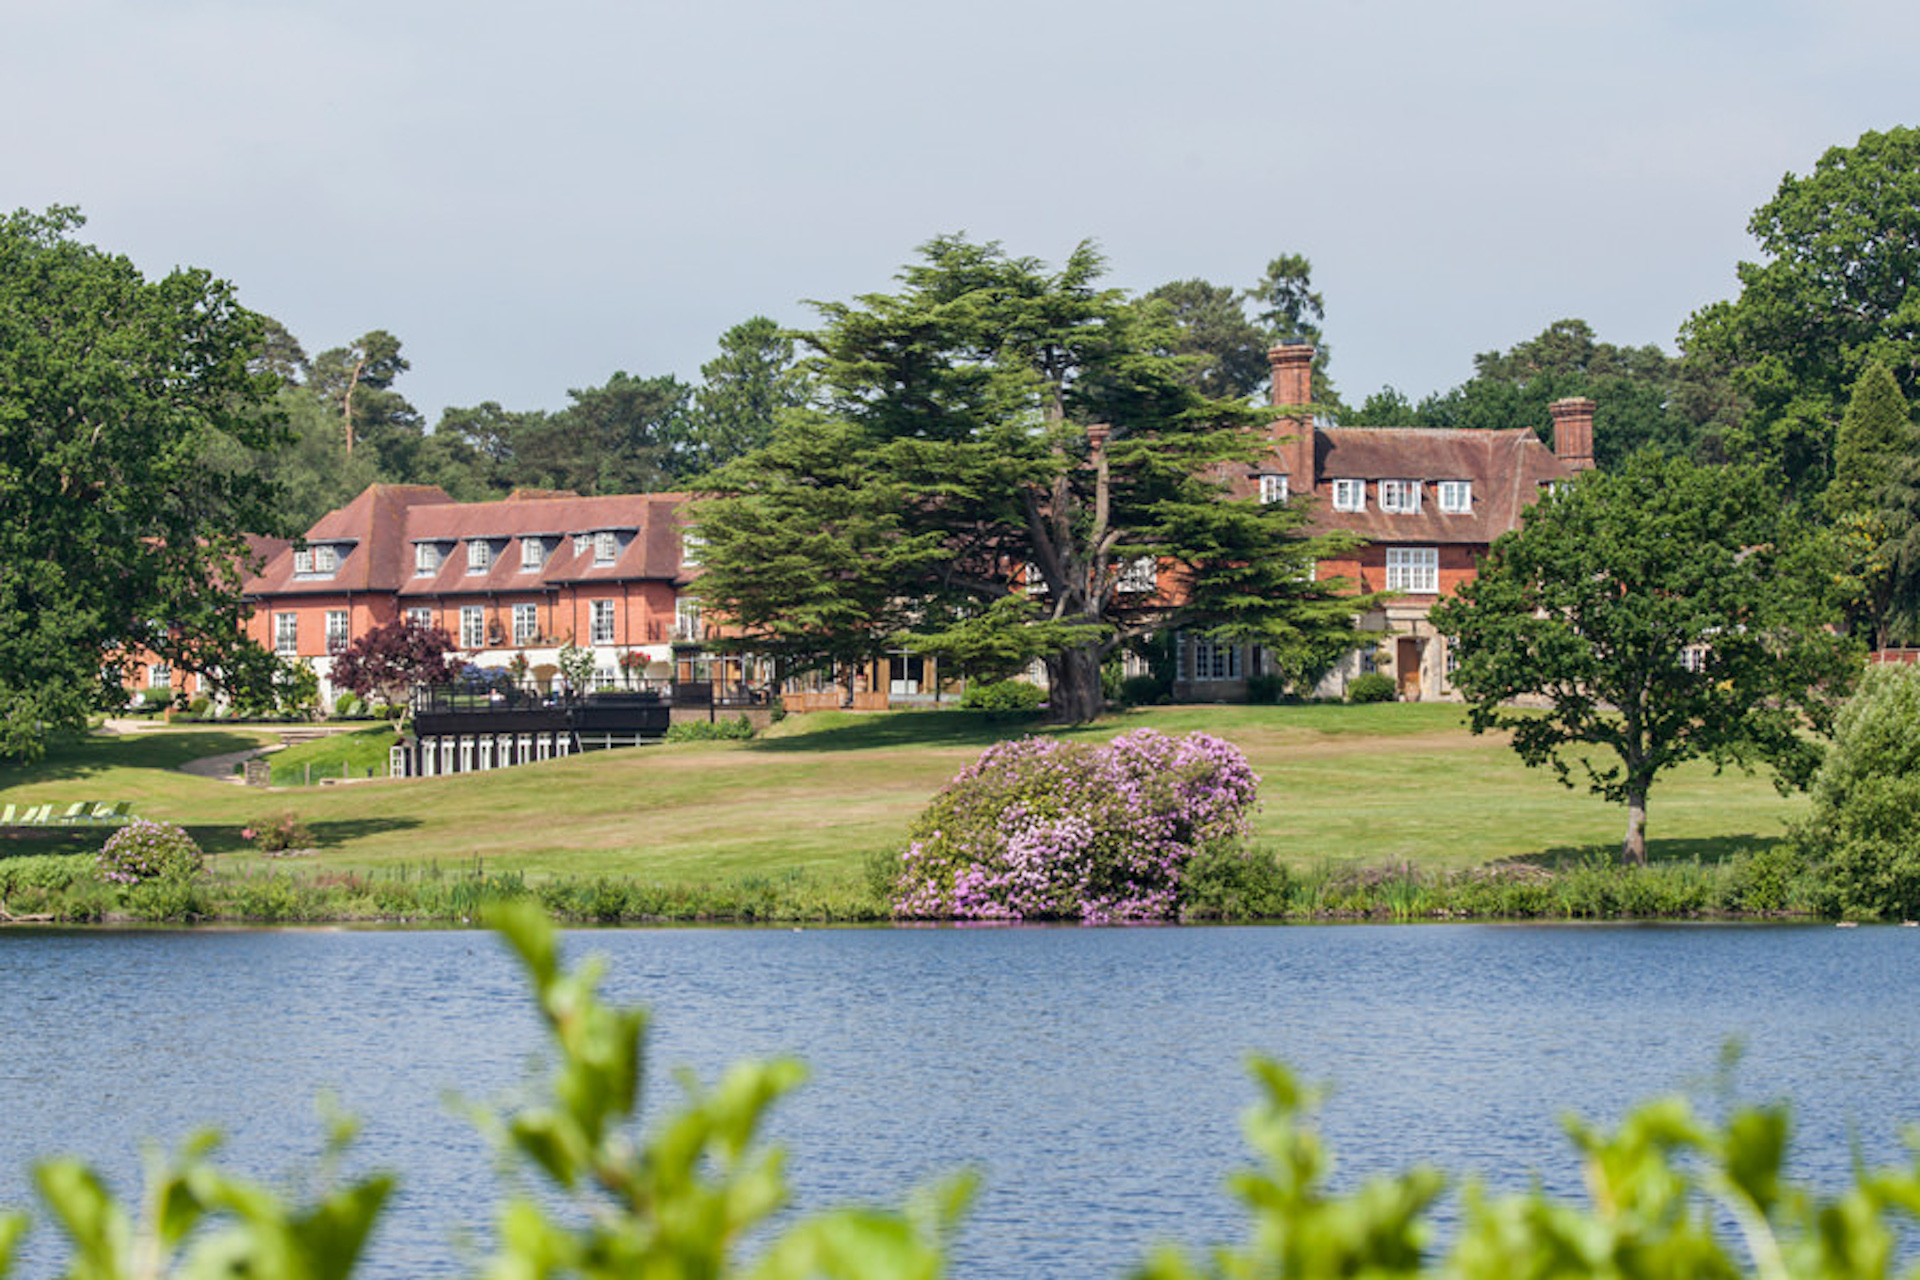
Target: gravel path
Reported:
point(218, 767)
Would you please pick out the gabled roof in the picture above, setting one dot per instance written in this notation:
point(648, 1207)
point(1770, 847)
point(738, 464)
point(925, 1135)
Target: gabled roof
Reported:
point(373, 523)
point(1507, 470)
point(385, 522)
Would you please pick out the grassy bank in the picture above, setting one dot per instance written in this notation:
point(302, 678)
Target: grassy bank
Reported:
point(1351, 795)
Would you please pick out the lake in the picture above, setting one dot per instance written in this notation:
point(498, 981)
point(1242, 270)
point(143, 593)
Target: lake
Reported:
point(1094, 1077)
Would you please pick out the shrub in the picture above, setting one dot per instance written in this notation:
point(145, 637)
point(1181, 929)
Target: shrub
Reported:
point(711, 730)
point(1038, 828)
point(345, 707)
point(1863, 835)
point(144, 850)
point(1143, 691)
point(278, 834)
point(1228, 882)
point(1003, 697)
point(1264, 689)
point(1372, 686)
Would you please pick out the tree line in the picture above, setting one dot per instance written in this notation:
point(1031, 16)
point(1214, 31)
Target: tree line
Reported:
point(976, 464)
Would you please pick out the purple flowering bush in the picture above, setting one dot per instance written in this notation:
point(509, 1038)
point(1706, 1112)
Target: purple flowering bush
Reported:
point(144, 850)
point(1040, 829)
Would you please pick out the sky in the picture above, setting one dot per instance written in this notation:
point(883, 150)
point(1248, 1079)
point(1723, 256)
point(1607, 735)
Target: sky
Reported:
point(533, 196)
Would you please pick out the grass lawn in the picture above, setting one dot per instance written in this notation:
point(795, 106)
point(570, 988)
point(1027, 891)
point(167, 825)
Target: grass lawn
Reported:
point(1369, 785)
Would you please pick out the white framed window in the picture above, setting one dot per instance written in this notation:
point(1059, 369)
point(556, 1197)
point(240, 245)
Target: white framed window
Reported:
point(1413, 571)
point(692, 545)
point(422, 618)
point(426, 559)
point(533, 553)
point(1402, 497)
point(1036, 581)
point(286, 633)
point(479, 555)
point(600, 616)
point(159, 676)
point(1140, 574)
point(606, 547)
point(526, 623)
point(473, 626)
point(1456, 496)
point(582, 543)
point(339, 631)
point(326, 559)
point(1273, 488)
point(1451, 663)
point(686, 619)
point(303, 561)
point(1213, 660)
point(1693, 658)
point(1349, 495)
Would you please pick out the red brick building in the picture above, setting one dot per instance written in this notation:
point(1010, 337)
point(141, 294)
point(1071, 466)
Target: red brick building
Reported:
point(1428, 502)
point(523, 576)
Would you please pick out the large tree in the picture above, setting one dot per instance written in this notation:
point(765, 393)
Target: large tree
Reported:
point(1663, 612)
point(355, 383)
point(1006, 430)
point(1226, 352)
point(743, 391)
point(126, 408)
point(625, 436)
point(1635, 391)
point(1838, 288)
point(1874, 505)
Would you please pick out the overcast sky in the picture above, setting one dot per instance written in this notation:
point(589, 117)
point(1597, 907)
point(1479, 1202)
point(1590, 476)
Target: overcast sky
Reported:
point(533, 196)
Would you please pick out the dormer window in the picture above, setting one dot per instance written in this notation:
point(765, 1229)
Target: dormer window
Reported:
point(1139, 574)
point(533, 553)
point(1349, 495)
point(316, 562)
point(606, 547)
point(691, 545)
point(1273, 488)
point(426, 559)
point(1402, 497)
point(1456, 497)
point(479, 555)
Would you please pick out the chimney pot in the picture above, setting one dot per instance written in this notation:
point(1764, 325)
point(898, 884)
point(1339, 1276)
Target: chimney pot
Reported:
point(1573, 432)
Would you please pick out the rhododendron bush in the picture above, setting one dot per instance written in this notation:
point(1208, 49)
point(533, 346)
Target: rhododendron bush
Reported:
point(1038, 828)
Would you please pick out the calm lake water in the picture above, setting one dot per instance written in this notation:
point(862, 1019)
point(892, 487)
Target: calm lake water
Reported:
point(1094, 1077)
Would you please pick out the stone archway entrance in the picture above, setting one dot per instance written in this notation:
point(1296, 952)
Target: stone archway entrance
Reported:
point(1406, 668)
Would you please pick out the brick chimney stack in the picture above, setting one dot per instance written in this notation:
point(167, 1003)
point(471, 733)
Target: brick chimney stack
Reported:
point(1291, 364)
point(1573, 432)
point(1292, 367)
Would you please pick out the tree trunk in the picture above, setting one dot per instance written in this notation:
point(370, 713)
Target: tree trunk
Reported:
point(1075, 695)
point(1634, 849)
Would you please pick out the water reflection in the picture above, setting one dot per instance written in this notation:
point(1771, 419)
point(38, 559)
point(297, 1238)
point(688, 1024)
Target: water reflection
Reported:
point(1094, 1077)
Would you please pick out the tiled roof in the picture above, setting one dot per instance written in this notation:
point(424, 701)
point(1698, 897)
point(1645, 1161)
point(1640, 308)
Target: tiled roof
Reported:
point(1505, 468)
point(384, 523)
